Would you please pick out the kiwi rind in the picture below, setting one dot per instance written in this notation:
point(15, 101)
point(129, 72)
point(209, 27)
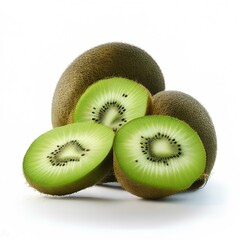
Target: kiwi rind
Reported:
point(106, 60)
point(186, 108)
point(94, 176)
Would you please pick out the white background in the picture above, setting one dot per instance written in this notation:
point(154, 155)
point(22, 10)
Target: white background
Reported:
point(196, 44)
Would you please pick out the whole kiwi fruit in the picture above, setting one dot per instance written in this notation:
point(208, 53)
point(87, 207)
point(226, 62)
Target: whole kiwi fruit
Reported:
point(186, 108)
point(113, 59)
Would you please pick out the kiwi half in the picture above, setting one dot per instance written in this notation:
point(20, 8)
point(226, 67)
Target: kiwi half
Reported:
point(69, 158)
point(186, 108)
point(113, 102)
point(104, 61)
point(156, 156)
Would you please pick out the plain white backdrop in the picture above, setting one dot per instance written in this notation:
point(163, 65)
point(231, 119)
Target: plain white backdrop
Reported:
point(196, 44)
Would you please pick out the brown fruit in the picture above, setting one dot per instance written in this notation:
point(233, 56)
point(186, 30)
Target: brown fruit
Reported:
point(103, 61)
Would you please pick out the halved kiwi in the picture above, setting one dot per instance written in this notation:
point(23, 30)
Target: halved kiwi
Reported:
point(113, 102)
point(186, 108)
point(156, 156)
point(104, 61)
point(69, 158)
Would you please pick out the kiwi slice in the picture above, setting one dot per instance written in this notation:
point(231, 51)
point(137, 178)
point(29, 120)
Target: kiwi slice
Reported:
point(113, 102)
point(69, 158)
point(186, 108)
point(104, 61)
point(156, 156)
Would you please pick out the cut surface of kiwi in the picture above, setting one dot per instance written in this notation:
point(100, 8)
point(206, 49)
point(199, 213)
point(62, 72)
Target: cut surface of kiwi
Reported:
point(69, 158)
point(186, 108)
point(113, 102)
point(114, 59)
point(156, 156)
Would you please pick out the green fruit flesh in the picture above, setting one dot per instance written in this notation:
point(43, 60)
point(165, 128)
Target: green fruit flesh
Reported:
point(70, 158)
point(158, 152)
point(113, 102)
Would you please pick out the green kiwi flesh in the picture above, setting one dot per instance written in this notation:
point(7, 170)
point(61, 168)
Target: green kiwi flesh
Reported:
point(113, 102)
point(104, 61)
point(186, 108)
point(69, 158)
point(156, 156)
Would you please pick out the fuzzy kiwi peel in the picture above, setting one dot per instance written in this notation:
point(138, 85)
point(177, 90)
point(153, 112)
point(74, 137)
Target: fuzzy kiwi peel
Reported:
point(157, 156)
point(103, 61)
point(69, 158)
point(186, 108)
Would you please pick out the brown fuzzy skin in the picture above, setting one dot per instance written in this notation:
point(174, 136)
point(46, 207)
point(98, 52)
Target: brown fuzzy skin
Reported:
point(103, 61)
point(95, 176)
point(184, 107)
point(140, 190)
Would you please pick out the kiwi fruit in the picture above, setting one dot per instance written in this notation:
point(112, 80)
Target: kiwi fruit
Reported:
point(69, 158)
point(113, 102)
point(156, 156)
point(186, 108)
point(104, 61)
